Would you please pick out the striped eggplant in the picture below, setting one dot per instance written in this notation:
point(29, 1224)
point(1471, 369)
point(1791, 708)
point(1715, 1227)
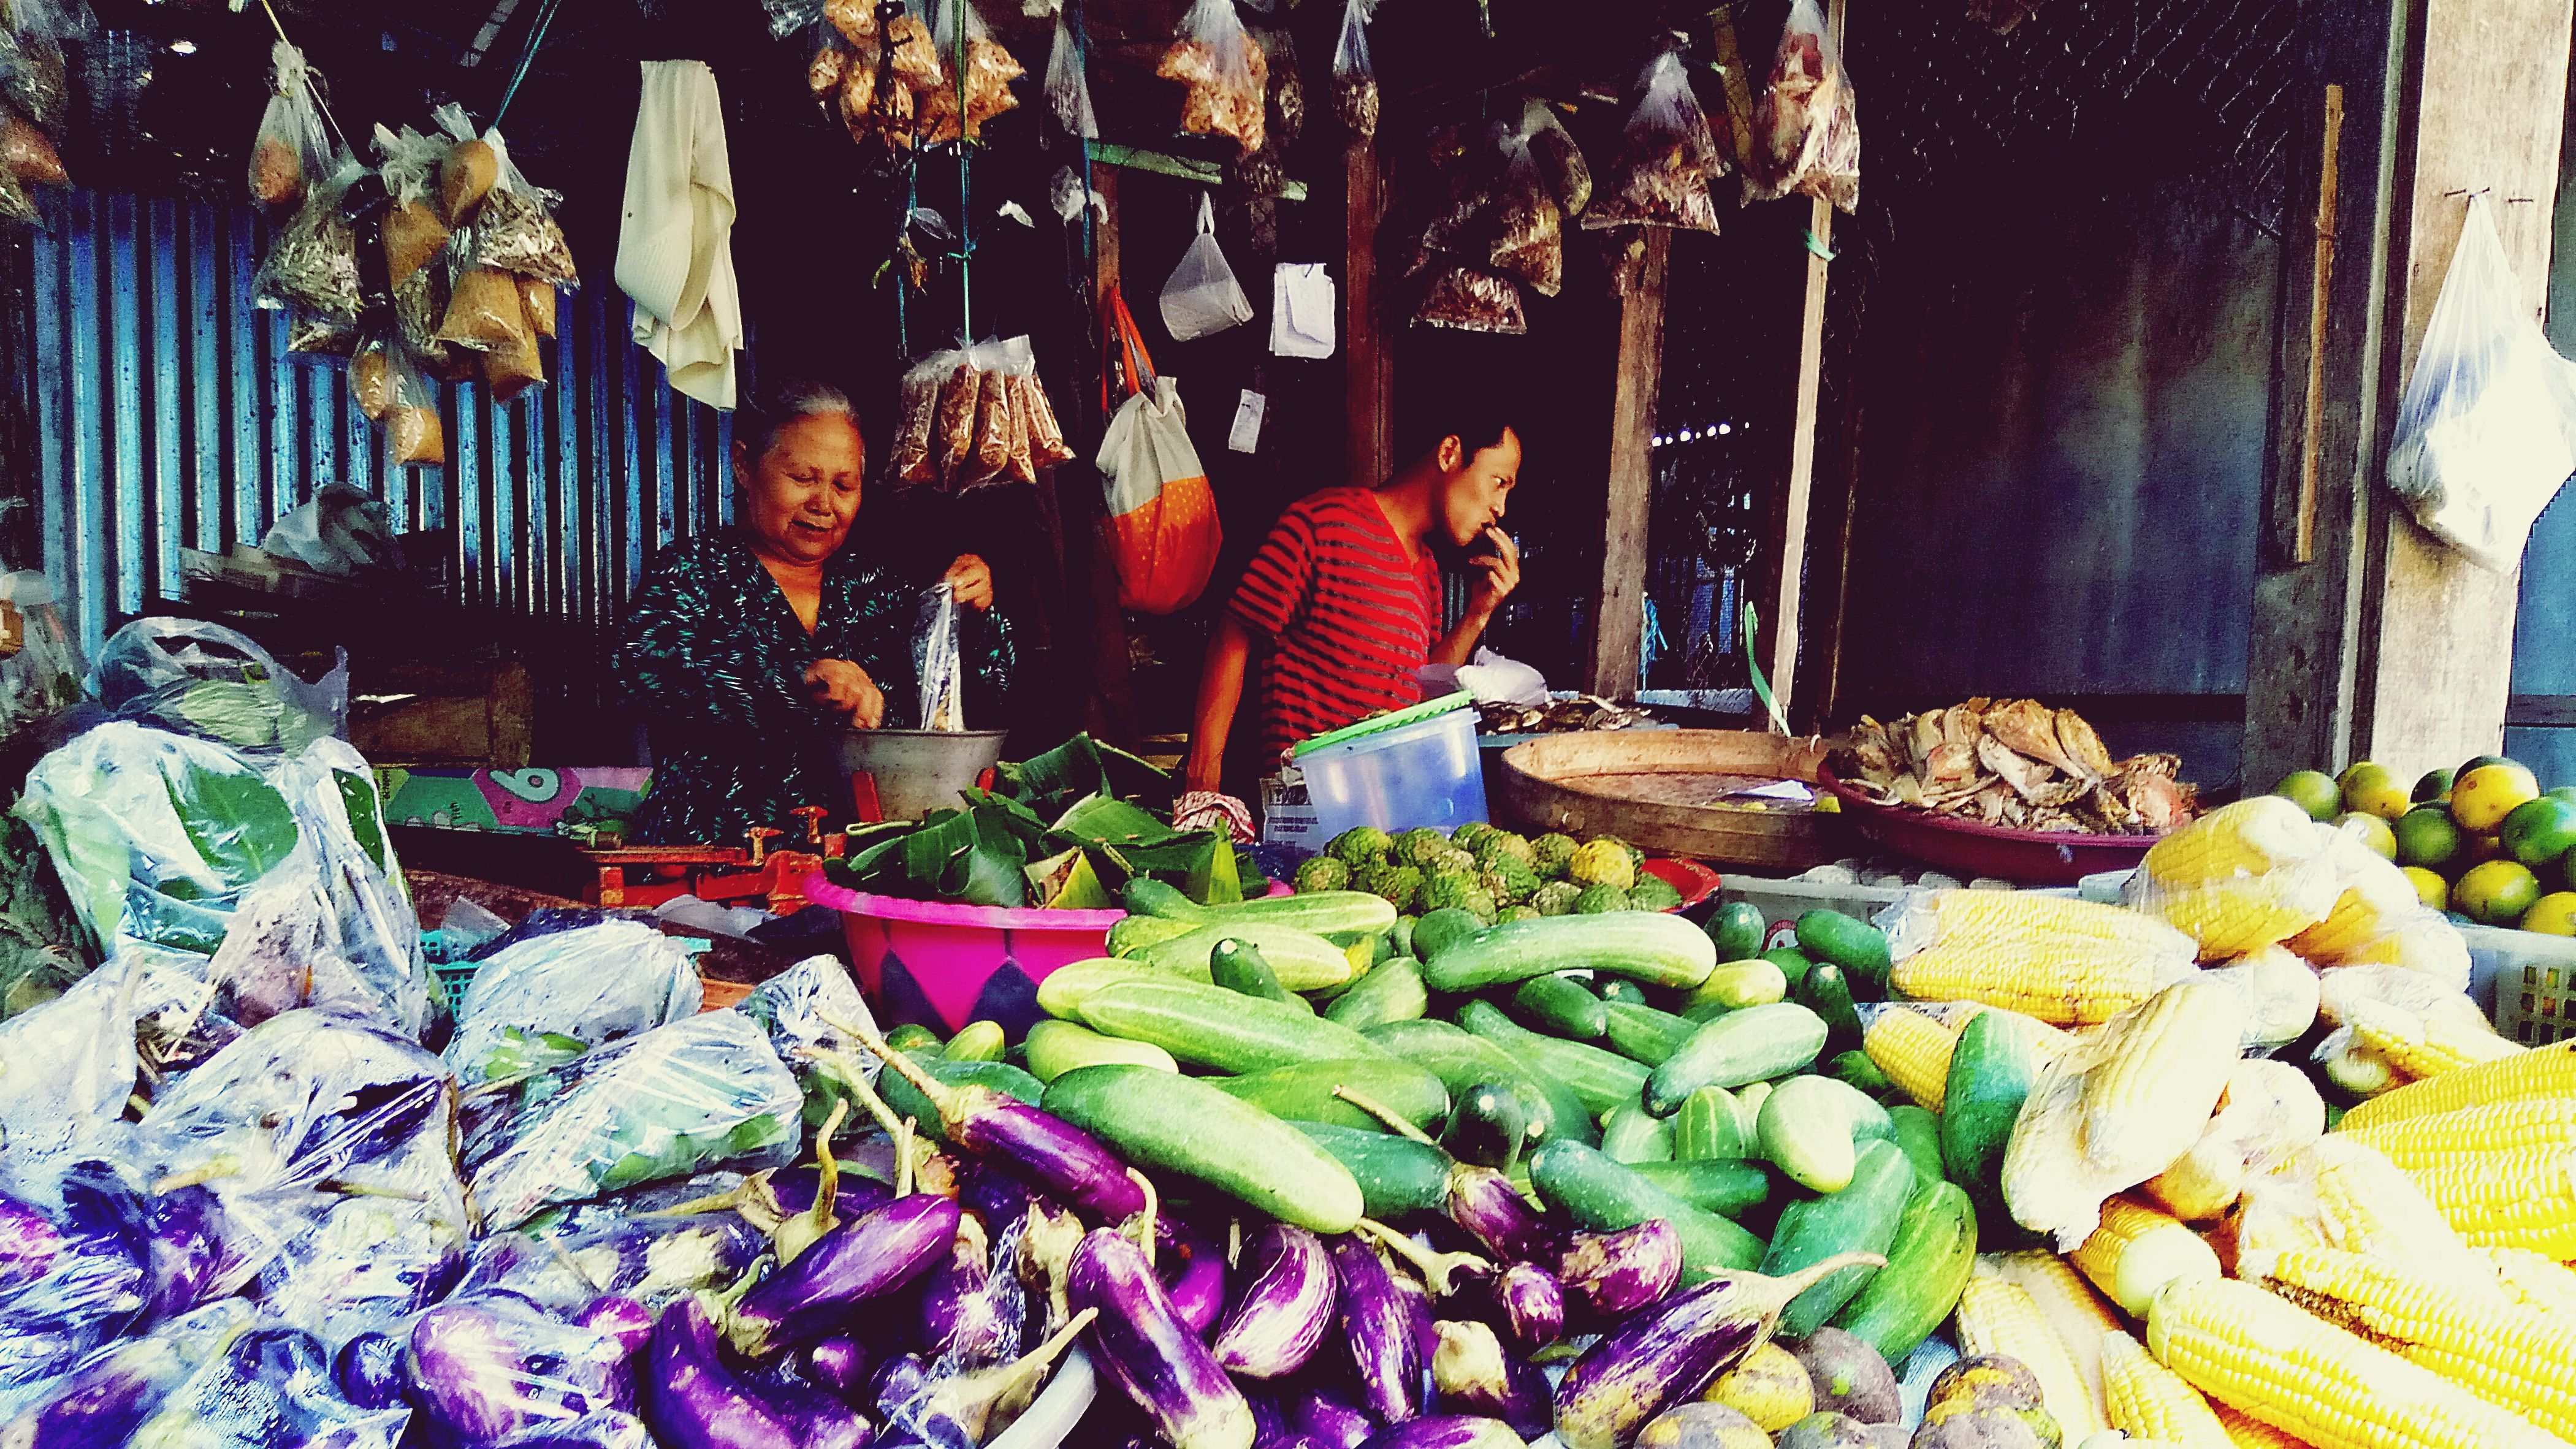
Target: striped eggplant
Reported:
point(620, 1319)
point(698, 1402)
point(1325, 1417)
point(993, 1195)
point(187, 1249)
point(28, 1242)
point(854, 1262)
point(100, 1404)
point(1531, 1304)
point(1052, 1153)
point(794, 1189)
point(1285, 1308)
point(369, 1370)
point(1446, 1431)
point(1663, 1355)
point(840, 1365)
point(1494, 1213)
point(1195, 1277)
point(492, 1364)
point(606, 1429)
point(1381, 1318)
point(1614, 1274)
point(1474, 1374)
point(1146, 1349)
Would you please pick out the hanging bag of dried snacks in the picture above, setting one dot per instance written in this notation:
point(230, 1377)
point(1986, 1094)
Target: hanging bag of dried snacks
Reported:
point(1666, 157)
point(312, 262)
point(514, 230)
point(1527, 238)
point(1224, 76)
point(1068, 85)
point(412, 425)
point(1201, 297)
point(414, 234)
point(292, 151)
point(468, 168)
point(1806, 130)
point(990, 69)
point(1354, 76)
point(1469, 298)
point(35, 79)
point(1569, 179)
point(914, 458)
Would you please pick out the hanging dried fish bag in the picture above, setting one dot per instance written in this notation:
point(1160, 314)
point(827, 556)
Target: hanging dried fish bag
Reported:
point(1471, 299)
point(954, 444)
point(292, 151)
point(1355, 100)
point(911, 54)
point(420, 306)
point(1665, 159)
point(1806, 130)
point(515, 230)
point(1068, 84)
point(990, 69)
point(1224, 76)
point(1526, 235)
point(1047, 446)
point(27, 155)
point(320, 336)
point(312, 262)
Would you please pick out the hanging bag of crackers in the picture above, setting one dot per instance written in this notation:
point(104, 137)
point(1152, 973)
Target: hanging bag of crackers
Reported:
point(1225, 78)
point(954, 24)
point(1666, 156)
point(292, 151)
point(511, 258)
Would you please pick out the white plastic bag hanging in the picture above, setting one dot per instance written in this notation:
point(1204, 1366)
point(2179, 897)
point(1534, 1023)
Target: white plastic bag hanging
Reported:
point(1201, 297)
point(1068, 87)
point(2487, 430)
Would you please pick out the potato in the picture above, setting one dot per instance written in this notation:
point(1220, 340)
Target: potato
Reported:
point(1849, 1377)
point(1702, 1426)
point(1769, 1387)
point(1981, 1429)
point(1989, 1381)
point(1828, 1431)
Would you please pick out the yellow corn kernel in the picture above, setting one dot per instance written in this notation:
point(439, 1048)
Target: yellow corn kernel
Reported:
point(2251, 837)
point(1998, 1317)
point(2539, 1125)
point(2376, 896)
point(2516, 1357)
point(2247, 1433)
point(2367, 1204)
point(2548, 1071)
point(2234, 917)
point(1914, 1050)
point(2138, 1250)
point(2507, 1199)
point(1985, 918)
point(2068, 1303)
point(2162, 1072)
point(2149, 1401)
point(2298, 1373)
point(2534, 1280)
point(2055, 979)
point(2425, 1046)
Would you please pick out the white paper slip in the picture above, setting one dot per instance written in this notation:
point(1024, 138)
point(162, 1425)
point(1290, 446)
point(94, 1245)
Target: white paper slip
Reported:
point(1245, 435)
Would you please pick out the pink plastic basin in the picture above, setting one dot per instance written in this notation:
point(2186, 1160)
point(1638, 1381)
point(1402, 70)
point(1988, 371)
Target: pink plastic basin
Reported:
point(944, 965)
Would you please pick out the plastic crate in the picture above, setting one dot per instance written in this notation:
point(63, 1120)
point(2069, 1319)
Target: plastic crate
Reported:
point(452, 979)
point(2526, 980)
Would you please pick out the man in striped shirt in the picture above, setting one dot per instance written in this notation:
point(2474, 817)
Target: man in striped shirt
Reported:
point(1343, 597)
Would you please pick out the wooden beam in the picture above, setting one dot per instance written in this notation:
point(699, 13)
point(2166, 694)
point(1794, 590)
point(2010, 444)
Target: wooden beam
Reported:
point(1185, 168)
point(1368, 357)
point(1800, 488)
point(1110, 710)
point(1619, 620)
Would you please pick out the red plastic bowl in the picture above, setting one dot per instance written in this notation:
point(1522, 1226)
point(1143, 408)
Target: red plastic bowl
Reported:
point(1967, 848)
point(1695, 881)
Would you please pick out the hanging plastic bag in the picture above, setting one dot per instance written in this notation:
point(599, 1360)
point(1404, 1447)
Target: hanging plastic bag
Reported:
point(935, 662)
point(43, 678)
point(2487, 430)
point(988, 459)
point(537, 1004)
point(414, 434)
point(35, 79)
point(217, 684)
point(512, 221)
point(1161, 509)
point(1560, 161)
point(1471, 299)
point(1665, 159)
point(1225, 77)
point(914, 456)
point(467, 169)
point(960, 396)
point(1355, 96)
point(1806, 130)
point(1201, 296)
point(1527, 238)
point(292, 151)
point(990, 69)
point(27, 155)
point(413, 234)
point(313, 261)
point(1068, 85)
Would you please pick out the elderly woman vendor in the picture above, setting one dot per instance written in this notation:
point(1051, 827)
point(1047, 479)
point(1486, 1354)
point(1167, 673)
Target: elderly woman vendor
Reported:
point(749, 648)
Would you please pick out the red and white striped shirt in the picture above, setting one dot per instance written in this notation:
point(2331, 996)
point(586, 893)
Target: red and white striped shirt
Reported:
point(1350, 613)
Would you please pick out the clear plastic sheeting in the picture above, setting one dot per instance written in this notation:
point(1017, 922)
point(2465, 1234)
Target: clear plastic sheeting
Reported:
point(89, 1288)
point(213, 683)
point(328, 1144)
point(125, 1383)
point(664, 1104)
point(66, 1069)
point(268, 1385)
point(568, 1261)
point(582, 988)
point(799, 1007)
point(486, 1366)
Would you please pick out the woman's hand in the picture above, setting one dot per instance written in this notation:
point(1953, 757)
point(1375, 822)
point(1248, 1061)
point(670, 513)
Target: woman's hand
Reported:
point(844, 688)
point(970, 582)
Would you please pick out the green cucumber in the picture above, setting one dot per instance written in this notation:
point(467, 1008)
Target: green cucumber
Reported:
point(1643, 1034)
point(1992, 1070)
point(1226, 1031)
point(1645, 946)
point(1437, 930)
point(1132, 937)
point(1827, 992)
point(1602, 1080)
point(1187, 1127)
point(1728, 1188)
point(1559, 1006)
point(1858, 947)
point(1060, 994)
point(1793, 963)
point(1862, 1218)
point(1057, 1047)
point(1854, 1069)
point(1391, 991)
point(1145, 896)
point(1400, 937)
point(1631, 1134)
point(1343, 917)
point(1463, 1060)
point(1239, 966)
point(1305, 1092)
point(976, 1041)
point(1488, 1126)
point(1928, 1263)
point(1737, 930)
point(1752, 1045)
point(1380, 948)
point(1397, 1175)
point(1811, 1128)
point(1918, 1131)
point(1700, 1013)
point(913, 1036)
point(1605, 1196)
point(906, 1099)
point(1738, 984)
point(1619, 988)
point(1707, 1127)
point(1302, 960)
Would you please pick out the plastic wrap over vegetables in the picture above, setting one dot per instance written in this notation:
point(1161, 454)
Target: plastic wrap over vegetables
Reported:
point(84, 1040)
point(83, 1283)
point(679, 1097)
point(798, 1007)
point(112, 1392)
point(482, 1367)
point(568, 1262)
point(326, 1142)
point(208, 681)
point(537, 1003)
point(269, 1387)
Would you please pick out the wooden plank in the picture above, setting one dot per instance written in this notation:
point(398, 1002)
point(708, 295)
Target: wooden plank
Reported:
point(1186, 168)
point(2303, 548)
point(1799, 490)
point(1619, 618)
point(2491, 108)
point(1368, 354)
point(2541, 710)
point(1109, 709)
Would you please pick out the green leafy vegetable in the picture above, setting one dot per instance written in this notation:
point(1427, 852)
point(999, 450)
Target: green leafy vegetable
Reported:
point(240, 827)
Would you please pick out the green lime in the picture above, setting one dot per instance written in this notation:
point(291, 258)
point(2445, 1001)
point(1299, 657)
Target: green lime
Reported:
point(2496, 893)
point(2314, 791)
point(2427, 837)
point(2434, 785)
point(2540, 831)
point(2563, 792)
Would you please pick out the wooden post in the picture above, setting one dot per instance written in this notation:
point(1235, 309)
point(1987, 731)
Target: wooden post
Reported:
point(1368, 361)
point(1111, 710)
point(1620, 618)
point(1802, 438)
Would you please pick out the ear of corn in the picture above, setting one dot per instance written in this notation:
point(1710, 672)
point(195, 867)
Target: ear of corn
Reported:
point(2426, 1044)
point(2302, 1375)
point(1998, 1317)
point(2281, 994)
point(2055, 980)
point(2163, 1068)
point(1914, 1050)
point(2507, 1199)
point(2519, 1358)
point(1988, 918)
point(2247, 1433)
point(2376, 896)
point(2149, 1401)
point(2543, 1124)
point(2252, 837)
point(2367, 1204)
point(2242, 877)
point(2548, 1071)
point(2270, 1109)
point(2070, 1305)
point(2534, 1280)
point(2424, 943)
point(2137, 1251)
point(2048, 1183)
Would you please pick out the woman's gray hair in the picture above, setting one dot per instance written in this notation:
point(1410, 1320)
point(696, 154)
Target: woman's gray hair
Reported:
point(757, 422)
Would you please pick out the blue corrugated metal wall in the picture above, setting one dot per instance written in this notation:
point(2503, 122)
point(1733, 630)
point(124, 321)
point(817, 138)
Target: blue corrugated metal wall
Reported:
point(171, 415)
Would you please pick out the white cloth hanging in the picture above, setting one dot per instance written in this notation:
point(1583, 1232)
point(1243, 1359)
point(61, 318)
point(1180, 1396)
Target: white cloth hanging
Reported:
point(675, 243)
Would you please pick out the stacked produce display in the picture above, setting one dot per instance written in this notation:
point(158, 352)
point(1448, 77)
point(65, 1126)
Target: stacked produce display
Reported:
point(2483, 842)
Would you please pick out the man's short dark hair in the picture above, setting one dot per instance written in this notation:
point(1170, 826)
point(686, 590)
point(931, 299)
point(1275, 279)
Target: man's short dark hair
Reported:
point(1477, 415)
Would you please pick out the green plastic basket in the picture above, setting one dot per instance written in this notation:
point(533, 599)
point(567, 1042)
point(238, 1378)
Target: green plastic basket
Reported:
point(452, 979)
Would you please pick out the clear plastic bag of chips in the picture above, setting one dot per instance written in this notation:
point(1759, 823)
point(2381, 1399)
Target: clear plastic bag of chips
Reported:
point(1666, 157)
point(1225, 76)
point(292, 151)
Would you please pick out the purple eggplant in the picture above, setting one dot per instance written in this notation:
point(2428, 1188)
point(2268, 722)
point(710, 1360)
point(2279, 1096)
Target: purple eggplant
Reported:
point(699, 1402)
point(1614, 1274)
point(607, 1429)
point(1151, 1353)
point(1663, 1355)
point(187, 1249)
point(1475, 1374)
point(28, 1242)
point(494, 1364)
point(1050, 1152)
point(620, 1319)
point(369, 1371)
point(962, 1410)
point(839, 1364)
point(1494, 1213)
point(100, 1403)
point(852, 1263)
point(1193, 1273)
point(1531, 1304)
point(1285, 1308)
point(1381, 1326)
point(969, 1316)
point(1447, 1431)
point(902, 1381)
point(993, 1195)
point(1328, 1419)
point(793, 1189)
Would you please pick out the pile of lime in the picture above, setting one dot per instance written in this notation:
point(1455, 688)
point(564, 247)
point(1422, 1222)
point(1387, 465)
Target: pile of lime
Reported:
point(2483, 842)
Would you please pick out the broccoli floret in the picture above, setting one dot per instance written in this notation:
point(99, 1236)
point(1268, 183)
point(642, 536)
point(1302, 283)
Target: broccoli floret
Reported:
point(1480, 905)
point(1466, 836)
point(1447, 890)
point(1360, 846)
point(1553, 851)
point(1600, 900)
point(1652, 893)
point(1323, 873)
point(1503, 844)
point(1556, 898)
point(1420, 848)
